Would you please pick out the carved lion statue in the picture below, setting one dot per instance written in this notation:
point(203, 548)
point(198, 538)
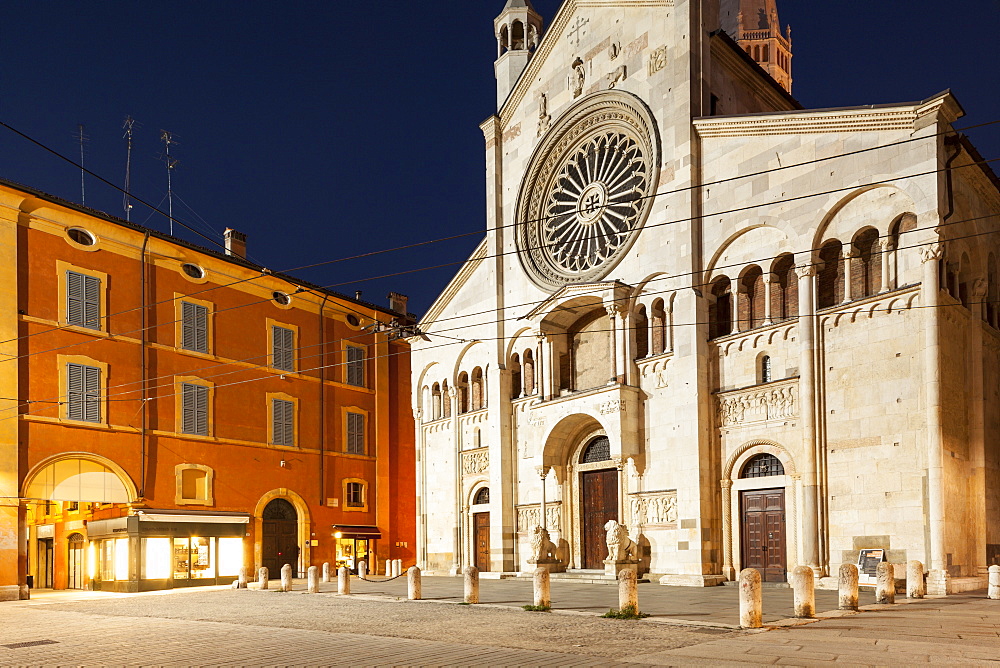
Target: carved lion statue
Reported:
point(620, 546)
point(542, 547)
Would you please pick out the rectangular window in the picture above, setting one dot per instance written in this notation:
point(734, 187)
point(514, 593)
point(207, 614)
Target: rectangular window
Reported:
point(194, 327)
point(194, 409)
point(355, 495)
point(83, 390)
point(83, 300)
point(282, 422)
point(355, 366)
point(356, 433)
point(282, 348)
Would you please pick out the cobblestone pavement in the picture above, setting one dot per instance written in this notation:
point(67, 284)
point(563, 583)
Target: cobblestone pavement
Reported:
point(214, 626)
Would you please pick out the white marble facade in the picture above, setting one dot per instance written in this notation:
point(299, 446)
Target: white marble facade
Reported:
point(681, 260)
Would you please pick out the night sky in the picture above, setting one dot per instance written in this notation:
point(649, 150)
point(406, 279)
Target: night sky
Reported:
point(328, 129)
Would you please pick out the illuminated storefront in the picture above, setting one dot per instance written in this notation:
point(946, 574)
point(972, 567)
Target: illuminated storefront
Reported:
point(355, 544)
point(162, 549)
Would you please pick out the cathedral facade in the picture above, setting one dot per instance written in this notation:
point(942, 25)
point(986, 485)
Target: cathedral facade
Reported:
point(753, 334)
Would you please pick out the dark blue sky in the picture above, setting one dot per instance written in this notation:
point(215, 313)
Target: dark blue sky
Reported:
point(327, 129)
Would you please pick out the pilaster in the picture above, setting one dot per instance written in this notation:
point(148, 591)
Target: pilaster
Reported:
point(13, 539)
point(807, 394)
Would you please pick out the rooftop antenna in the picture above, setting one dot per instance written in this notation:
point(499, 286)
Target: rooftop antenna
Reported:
point(126, 203)
point(82, 139)
point(167, 138)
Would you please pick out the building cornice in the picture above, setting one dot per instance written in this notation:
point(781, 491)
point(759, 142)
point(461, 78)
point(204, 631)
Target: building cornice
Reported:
point(455, 285)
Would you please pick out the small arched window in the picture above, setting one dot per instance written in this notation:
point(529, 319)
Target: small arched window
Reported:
point(463, 392)
point(445, 400)
point(482, 497)
point(866, 264)
point(598, 450)
point(720, 313)
point(529, 373)
point(659, 328)
point(762, 466)
point(765, 369)
point(831, 275)
point(784, 295)
point(641, 333)
point(515, 376)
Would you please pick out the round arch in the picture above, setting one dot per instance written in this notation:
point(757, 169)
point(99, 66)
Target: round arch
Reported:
point(756, 447)
point(566, 438)
point(79, 476)
point(304, 523)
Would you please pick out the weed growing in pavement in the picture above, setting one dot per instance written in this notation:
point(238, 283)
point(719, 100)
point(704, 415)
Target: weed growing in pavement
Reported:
point(628, 612)
point(537, 608)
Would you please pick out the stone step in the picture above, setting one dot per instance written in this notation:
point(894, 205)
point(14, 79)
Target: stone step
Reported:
point(580, 577)
point(764, 585)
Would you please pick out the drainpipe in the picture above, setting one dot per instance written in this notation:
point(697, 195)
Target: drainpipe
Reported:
point(144, 370)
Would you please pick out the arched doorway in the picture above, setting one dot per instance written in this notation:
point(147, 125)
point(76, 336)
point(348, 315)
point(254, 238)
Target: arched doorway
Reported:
point(75, 562)
point(481, 529)
point(279, 540)
point(598, 500)
point(762, 525)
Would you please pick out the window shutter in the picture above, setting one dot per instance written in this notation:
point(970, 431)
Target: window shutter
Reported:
point(74, 390)
point(83, 300)
point(356, 433)
point(283, 427)
point(194, 327)
point(194, 409)
point(282, 348)
point(83, 387)
point(355, 366)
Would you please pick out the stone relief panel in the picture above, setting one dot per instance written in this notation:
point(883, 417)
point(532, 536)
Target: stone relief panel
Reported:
point(654, 509)
point(475, 462)
point(657, 60)
point(528, 517)
point(775, 402)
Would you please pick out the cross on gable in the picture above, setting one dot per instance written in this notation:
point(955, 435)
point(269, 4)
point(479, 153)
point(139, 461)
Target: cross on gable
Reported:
point(578, 31)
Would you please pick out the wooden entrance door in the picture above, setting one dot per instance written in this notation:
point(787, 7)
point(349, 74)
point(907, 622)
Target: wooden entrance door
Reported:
point(279, 542)
point(481, 539)
point(599, 503)
point(763, 533)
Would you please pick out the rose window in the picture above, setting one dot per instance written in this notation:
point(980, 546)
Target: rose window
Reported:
point(587, 190)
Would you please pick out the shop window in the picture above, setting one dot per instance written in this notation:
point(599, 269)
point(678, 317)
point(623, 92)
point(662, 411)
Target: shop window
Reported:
point(193, 558)
point(83, 300)
point(156, 559)
point(355, 368)
point(282, 348)
point(194, 484)
point(194, 327)
point(282, 422)
point(114, 558)
point(356, 433)
point(355, 495)
point(83, 393)
point(194, 409)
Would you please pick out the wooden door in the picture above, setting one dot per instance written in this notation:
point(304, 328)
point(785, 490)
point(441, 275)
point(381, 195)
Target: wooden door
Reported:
point(763, 533)
point(481, 539)
point(279, 546)
point(599, 503)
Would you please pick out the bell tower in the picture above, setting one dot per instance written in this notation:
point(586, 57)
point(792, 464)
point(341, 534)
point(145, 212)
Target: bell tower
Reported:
point(755, 26)
point(518, 31)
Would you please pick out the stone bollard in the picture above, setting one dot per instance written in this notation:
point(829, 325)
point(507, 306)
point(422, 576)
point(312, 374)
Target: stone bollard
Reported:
point(242, 582)
point(397, 567)
point(286, 577)
point(628, 591)
point(847, 583)
point(262, 577)
point(313, 574)
point(388, 568)
point(885, 584)
point(804, 587)
point(542, 587)
point(994, 591)
point(750, 599)
point(914, 579)
point(471, 584)
point(343, 580)
point(326, 571)
point(414, 588)
point(362, 569)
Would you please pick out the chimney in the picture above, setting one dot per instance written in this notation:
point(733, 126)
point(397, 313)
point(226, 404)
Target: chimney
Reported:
point(397, 302)
point(236, 243)
point(357, 295)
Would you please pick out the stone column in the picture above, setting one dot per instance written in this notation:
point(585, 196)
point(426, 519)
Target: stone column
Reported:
point(542, 590)
point(847, 586)
point(545, 367)
point(914, 579)
point(751, 603)
point(457, 448)
point(885, 584)
point(543, 472)
point(885, 246)
point(262, 578)
point(286, 577)
point(612, 310)
point(620, 465)
point(768, 277)
point(804, 589)
point(847, 255)
point(727, 530)
point(414, 586)
point(628, 590)
point(994, 586)
point(930, 301)
point(343, 580)
point(313, 575)
point(326, 571)
point(625, 346)
point(807, 397)
point(471, 584)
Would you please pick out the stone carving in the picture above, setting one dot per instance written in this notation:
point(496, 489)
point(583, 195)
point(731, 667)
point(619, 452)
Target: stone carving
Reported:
point(578, 31)
point(805, 270)
point(774, 403)
point(475, 462)
point(544, 118)
point(619, 74)
point(620, 546)
point(531, 516)
point(542, 547)
point(614, 406)
point(931, 252)
point(654, 509)
point(578, 78)
point(615, 50)
point(661, 379)
point(657, 60)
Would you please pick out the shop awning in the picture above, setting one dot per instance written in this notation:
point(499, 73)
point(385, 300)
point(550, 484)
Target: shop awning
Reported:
point(357, 531)
point(207, 518)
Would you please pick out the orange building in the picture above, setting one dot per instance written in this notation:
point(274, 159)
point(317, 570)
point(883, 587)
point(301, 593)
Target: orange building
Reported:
point(170, 414)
